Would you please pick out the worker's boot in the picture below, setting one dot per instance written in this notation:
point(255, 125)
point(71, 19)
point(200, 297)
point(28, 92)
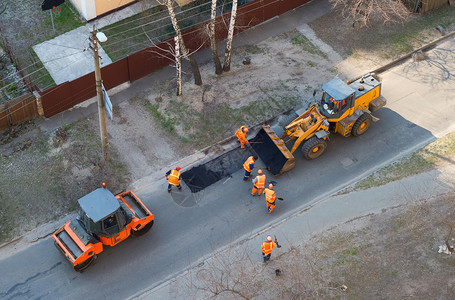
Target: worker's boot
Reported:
point(168, 190)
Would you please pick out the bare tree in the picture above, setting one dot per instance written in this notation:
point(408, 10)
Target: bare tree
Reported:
point(234, 274)
point(3, 7)
point(185, 53)
point(226, 276)
point(362, 11)
point(176, 57)
point(178, 66)
point(227, 59)
point(211, 30)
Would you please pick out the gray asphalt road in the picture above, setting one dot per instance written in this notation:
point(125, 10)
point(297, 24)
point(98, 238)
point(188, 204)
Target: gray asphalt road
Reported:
point(420, 107)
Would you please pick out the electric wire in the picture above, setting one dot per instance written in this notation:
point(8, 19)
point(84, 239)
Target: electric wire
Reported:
point(86, 89)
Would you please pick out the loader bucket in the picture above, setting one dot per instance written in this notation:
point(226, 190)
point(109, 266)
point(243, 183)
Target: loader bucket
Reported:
point(272, 151)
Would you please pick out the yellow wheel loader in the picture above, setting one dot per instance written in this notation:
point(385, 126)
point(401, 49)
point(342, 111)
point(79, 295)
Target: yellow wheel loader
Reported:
point(344, 108)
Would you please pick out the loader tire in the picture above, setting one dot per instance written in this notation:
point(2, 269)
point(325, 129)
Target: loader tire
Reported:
point(313, 148)
point(361, 125)
point(84, 265)
point(142, 231)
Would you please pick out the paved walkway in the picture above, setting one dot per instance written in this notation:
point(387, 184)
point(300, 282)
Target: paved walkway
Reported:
point(65, 58)
point(322, 216)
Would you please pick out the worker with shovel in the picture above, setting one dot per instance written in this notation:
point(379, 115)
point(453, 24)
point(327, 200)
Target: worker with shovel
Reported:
point(267, 248)
point(173, 178)
point(248, 166)
point(241, 135)
point(258, 183)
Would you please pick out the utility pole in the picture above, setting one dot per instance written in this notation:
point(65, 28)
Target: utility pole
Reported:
point(99, 94)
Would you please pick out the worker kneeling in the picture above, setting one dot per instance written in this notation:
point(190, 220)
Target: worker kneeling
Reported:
point(258, 183)
point(270, 197)
point(173, 178)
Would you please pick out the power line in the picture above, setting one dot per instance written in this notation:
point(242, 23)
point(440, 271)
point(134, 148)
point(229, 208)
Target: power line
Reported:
point(52, 60)
point(190, 26)
point(167, 16)
point(155, 29)
point(159, 12)
point(163, 35)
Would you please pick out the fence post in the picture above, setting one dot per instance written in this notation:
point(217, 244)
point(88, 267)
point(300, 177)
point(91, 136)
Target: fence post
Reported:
point(39, 103)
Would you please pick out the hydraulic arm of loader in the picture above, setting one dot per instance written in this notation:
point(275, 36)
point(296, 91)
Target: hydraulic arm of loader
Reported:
point(273, 151)
point(304, 127)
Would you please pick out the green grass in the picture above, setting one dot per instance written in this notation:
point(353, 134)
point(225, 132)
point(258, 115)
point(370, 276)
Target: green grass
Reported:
point(41, 76)
point(218, 119)
point(411, 35)
point(306, 45)
point(67, 20)
point(423, 160)
point(311, 63)
point(38, 183)
point(253, 49)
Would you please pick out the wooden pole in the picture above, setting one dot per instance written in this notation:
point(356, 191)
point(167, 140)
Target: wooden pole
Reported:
point(99, 94)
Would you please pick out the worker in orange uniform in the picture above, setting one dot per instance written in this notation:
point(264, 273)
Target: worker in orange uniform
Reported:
point(173, 177)
point(267, 248)
point(241, 135)
point(258, 183)
point(248, 165)
point(270, 198)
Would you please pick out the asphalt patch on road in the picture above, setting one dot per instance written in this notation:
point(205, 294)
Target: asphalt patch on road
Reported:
point(204, 175)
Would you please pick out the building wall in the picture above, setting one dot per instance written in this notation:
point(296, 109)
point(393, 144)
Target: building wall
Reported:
point(104, 6)
point(86, 8)
point(90, 9)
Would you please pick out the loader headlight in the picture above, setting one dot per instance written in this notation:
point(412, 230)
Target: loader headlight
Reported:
point(325, 122)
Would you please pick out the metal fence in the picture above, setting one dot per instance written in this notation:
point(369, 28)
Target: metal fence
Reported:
point(144, 62)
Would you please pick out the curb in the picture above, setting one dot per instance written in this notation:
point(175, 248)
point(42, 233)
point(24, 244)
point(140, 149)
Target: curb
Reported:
point(407, 55)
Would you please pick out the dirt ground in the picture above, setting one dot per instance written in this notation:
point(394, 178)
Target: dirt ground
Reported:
point(393, 254)
point(150, 132)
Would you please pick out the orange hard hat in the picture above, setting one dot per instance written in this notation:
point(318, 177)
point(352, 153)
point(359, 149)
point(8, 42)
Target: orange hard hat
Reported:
point(270, 186)
point(259, 171)
point(178, 168)
point(269, 238)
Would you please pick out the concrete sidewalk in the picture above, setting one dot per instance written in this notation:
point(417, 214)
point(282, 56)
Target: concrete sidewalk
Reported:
point(315, 219)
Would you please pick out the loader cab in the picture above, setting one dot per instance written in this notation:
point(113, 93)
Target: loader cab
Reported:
point(101, 213)
point(337, 98)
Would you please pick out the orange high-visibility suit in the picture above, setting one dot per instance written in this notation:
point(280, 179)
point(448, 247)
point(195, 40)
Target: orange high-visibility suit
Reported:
point(248, 165)
point(241, 135)
point(267, 248)
point(270, 197)
point(258, 184)
point(173, 177)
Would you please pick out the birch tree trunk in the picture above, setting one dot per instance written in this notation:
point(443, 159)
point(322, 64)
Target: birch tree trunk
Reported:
point(216, 59)
point(185, 53)
point(227, 59)
point(178, 66)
